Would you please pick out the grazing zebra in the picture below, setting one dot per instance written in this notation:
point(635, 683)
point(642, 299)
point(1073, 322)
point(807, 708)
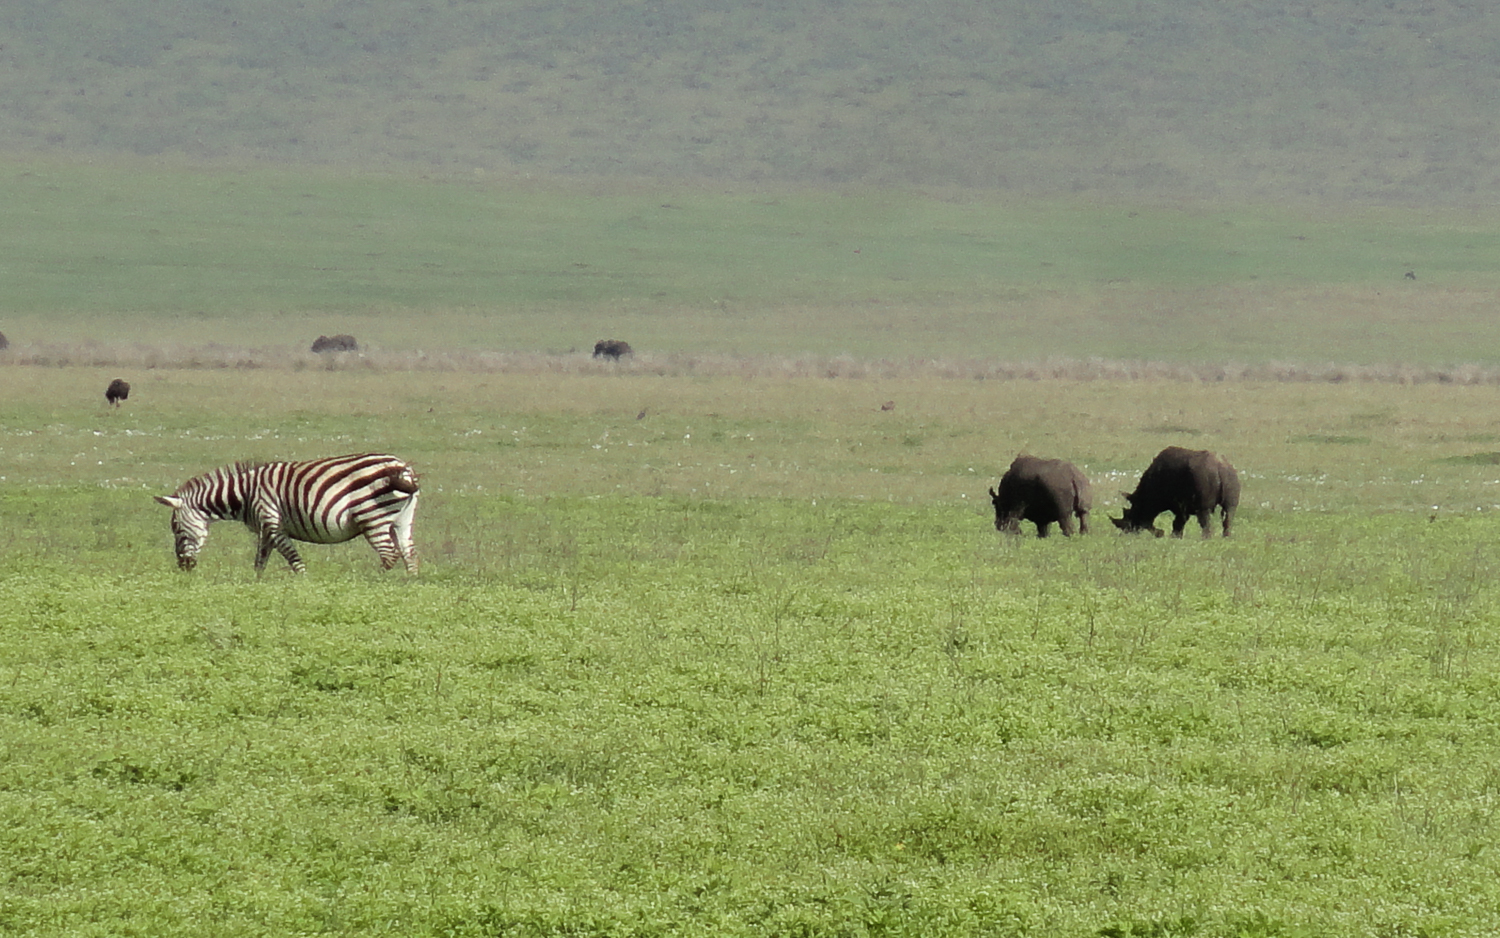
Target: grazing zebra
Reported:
point(322, 501)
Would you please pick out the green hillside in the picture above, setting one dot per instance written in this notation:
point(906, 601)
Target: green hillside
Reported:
point(113, 255)
point(1329, 100)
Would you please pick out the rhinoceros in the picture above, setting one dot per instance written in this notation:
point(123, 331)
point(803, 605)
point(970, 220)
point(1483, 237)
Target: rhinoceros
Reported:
point(612, 348)
point(335, 343)
point(1042, 491)
point(1186, 482)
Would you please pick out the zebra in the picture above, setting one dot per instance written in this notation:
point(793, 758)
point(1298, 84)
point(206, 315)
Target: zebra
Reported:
point(320, 501)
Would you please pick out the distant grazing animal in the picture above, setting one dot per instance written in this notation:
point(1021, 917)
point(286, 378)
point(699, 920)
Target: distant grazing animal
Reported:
point(335, 343)
point(323, 501)
point(888, 405)
point(118, 390)
point(1042, 491)
point(1186, 482)
point(612, 348)
point(1411, 275)
point(4, 342)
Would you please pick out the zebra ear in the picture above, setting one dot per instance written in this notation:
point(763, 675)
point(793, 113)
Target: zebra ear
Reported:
point(171, 501)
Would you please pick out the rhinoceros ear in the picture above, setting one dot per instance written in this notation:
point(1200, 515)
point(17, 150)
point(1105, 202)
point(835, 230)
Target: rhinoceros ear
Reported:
point(1128, 496)
point(992, 492)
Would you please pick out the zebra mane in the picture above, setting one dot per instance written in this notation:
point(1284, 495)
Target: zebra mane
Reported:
point(201, 480)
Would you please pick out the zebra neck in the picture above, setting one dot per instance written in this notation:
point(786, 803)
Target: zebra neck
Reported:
point(227, 497)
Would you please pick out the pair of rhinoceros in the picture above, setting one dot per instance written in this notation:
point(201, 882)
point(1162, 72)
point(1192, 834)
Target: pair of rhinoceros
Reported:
point(1187, 482)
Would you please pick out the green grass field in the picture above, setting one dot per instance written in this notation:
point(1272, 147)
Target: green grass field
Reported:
point(755, 663)
point(153, 256)
point(707, 642)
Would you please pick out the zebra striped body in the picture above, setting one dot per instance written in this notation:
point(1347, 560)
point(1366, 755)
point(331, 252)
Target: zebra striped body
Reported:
point(322, 501)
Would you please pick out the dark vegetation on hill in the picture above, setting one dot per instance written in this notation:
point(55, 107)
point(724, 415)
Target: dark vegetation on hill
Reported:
point(1330, 100)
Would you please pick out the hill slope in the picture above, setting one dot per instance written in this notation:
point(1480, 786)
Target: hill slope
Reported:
point(1326, 99)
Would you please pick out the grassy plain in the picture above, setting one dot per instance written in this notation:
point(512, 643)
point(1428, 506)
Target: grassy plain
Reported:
point(753, 663)
point(157, 256)
point(707, 642)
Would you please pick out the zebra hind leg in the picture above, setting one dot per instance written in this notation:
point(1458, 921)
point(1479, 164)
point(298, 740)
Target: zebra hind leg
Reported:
point(383, 539)
point(400, 529)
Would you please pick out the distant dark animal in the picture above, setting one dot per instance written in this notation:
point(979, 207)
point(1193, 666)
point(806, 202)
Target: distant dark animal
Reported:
point(1411, 275)
point(4, 342)
point(324, 501)
point(1186, 482)
point(118, 390)
point(612, 348)
point(888, 405)
point(1042, 491)
point(335, 343)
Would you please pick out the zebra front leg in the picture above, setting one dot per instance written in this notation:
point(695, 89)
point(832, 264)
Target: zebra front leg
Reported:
point(262, 551)
point(272, 537)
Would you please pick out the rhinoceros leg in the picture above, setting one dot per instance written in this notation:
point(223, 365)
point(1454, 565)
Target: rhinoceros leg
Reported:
point(1206, 522)
point(1179, 522)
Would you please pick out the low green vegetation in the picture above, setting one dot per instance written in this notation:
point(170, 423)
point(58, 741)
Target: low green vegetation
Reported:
point(717, 655)
point(719, 639)
point(109, 256)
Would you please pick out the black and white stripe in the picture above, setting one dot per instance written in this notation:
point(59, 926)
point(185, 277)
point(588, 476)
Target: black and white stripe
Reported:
point(321, 501)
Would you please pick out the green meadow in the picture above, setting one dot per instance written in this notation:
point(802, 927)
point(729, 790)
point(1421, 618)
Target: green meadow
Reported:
point(155, 255)
point(754, 663)
point(728, 645)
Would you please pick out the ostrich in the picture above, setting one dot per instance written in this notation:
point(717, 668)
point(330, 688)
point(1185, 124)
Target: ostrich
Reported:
point(118, 390)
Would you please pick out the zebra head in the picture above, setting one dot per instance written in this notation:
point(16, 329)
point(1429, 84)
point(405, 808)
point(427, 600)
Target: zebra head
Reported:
point(189, 529)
